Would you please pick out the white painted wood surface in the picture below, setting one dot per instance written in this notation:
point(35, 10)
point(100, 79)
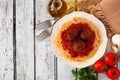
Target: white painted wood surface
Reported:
point(47, 68)
point(44, 55)
point(6, 40)
point(24, 40)
point(64, 71)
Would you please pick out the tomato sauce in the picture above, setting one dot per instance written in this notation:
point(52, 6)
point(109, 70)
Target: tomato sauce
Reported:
point(78, 39)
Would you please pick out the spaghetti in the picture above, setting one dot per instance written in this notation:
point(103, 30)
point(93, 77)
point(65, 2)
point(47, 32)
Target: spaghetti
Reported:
point(67, 52)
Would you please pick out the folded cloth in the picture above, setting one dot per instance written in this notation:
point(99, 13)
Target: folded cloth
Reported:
point(111, 10)
point(105, 10)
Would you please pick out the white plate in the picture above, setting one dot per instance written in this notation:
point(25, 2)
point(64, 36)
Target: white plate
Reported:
point(101, 50)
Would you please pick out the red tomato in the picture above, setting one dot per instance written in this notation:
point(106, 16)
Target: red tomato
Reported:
point(111, 59)
point(99, 66)
point(113, 73)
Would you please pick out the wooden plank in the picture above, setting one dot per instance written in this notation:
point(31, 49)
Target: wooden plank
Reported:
point(6, 40)
point(64, 71)
point(44, 61)
point(44, 56)
point(24, 40)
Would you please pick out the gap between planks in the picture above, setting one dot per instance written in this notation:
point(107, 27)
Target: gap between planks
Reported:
point(14, 39)
point(34, 17)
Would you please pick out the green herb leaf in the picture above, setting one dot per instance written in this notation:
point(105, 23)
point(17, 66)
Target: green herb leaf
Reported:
point(87, 73)
point(73, 72)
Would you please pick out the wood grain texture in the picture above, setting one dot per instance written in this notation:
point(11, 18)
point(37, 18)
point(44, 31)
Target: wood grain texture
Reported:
point(24, 40)
point(44, 56)
point(64, 71)
point(6, 40)
point(44, 61)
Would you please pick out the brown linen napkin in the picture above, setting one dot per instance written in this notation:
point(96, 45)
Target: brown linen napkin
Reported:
point(111, 9)
point(98, 12)
point(106, 10)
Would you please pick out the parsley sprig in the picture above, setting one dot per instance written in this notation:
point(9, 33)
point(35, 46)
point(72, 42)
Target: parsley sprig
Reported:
point(87, 73)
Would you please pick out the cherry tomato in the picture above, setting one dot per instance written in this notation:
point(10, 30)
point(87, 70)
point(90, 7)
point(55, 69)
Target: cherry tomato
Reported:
point(100, 66)
point(111, 59)
point(113, 73)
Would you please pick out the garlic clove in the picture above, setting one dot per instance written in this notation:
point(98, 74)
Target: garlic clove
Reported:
point(116, 39)
point(115, 48)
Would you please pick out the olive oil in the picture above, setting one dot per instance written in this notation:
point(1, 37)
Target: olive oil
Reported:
point(57, 8)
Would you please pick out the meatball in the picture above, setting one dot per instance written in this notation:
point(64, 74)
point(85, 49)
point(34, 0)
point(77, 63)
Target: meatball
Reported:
point(79, 46)
point(71, 34)
point(86, 35)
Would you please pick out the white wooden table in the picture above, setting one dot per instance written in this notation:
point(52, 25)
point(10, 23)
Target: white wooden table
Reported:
point(22, 57)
